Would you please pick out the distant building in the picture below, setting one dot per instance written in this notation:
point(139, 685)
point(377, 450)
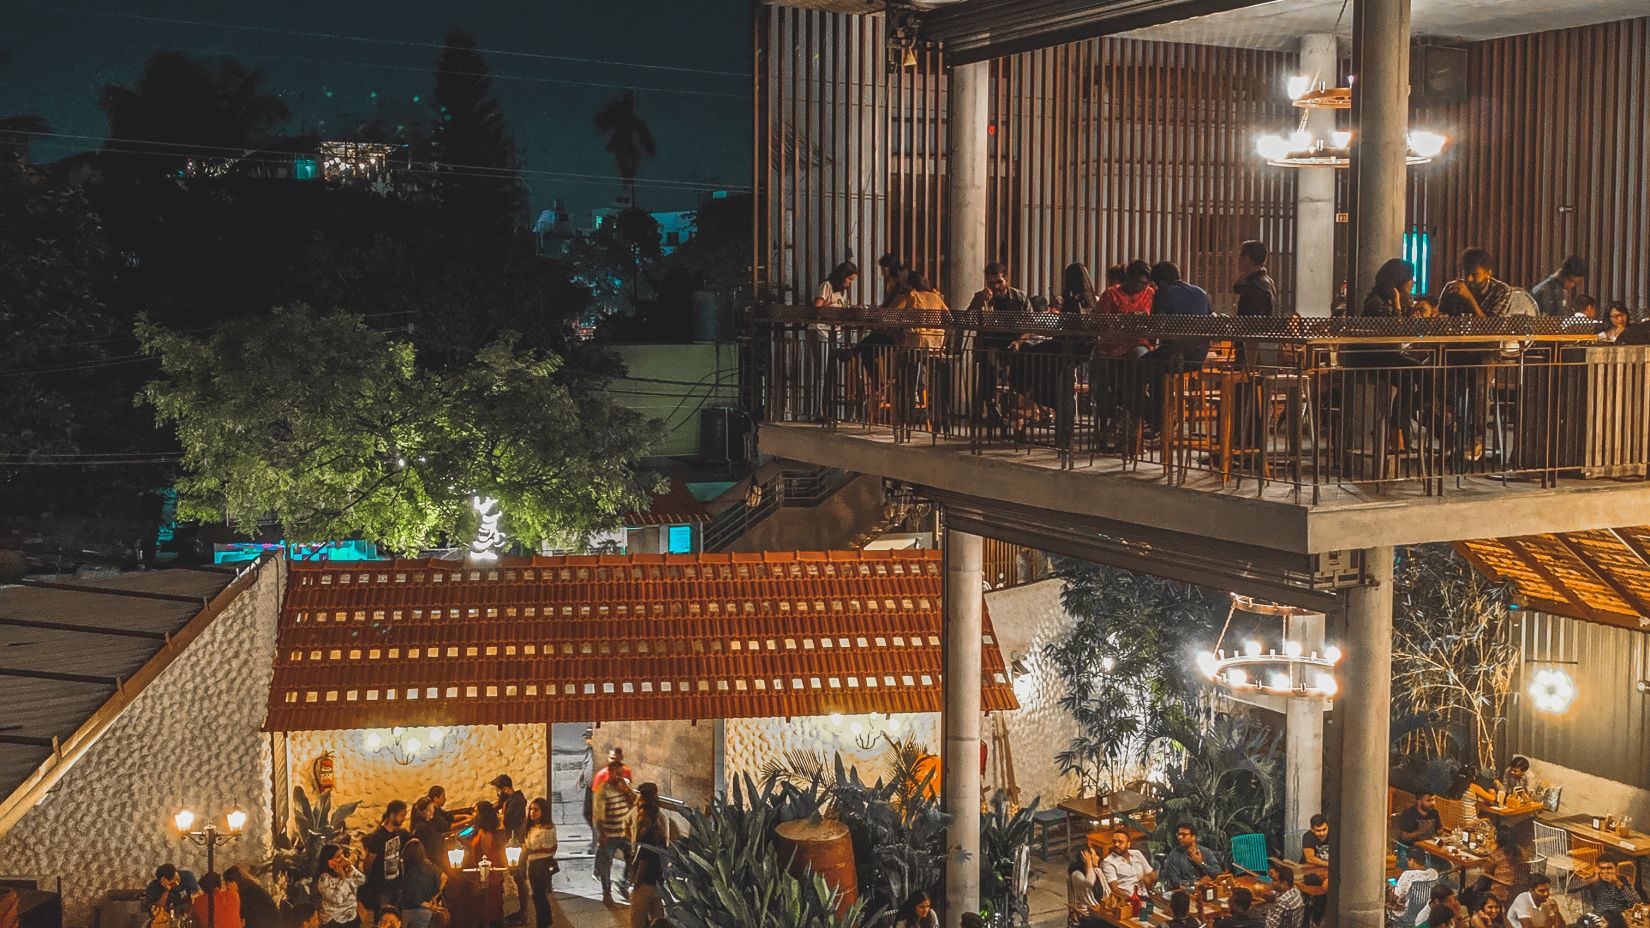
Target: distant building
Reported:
point(358, 163)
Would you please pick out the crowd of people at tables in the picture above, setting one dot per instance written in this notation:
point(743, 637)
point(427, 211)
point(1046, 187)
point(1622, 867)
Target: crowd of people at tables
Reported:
point(403, 874)
point(1101, 888)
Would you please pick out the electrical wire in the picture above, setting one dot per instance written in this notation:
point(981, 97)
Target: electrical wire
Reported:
point(374, 40)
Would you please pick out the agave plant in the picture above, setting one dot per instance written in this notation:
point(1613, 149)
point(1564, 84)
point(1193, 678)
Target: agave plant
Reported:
point(727, 872)
point(298, 852)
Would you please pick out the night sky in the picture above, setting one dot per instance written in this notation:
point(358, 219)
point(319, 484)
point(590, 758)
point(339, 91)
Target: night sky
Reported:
point(57, 54)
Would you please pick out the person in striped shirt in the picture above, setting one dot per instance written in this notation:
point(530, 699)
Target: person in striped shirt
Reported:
point(614, 800)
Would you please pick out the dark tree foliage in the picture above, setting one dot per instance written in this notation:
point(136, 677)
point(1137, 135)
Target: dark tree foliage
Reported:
point(480, 176)
point(183, 104)
point(628, 138)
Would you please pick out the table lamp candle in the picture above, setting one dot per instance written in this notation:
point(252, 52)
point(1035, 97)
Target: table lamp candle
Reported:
point(455, 857)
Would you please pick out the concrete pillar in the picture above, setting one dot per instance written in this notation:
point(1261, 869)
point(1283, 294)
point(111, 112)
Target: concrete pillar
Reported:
point(1380, 116)
point(1358, 864)
point(1315, 192)
point(1303, 744)
point(965, 180)
point(960, 722)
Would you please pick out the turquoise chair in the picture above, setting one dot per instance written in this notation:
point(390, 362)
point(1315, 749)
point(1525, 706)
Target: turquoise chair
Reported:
point(1249, 852)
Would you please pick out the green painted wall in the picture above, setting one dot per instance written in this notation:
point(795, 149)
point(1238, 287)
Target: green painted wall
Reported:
point(675, 383)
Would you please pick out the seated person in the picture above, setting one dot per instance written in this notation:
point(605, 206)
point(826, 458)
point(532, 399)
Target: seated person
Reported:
point(1443, 901)
point(1126, 870)
point(1536, 908)
point(1516, 778)
point(168, 891)
point(1420, 821)
point(1289, 908)
point(1242, 904)
point(218, 905)
point(1315, 843)
point(1474, 894)
point(1610, 895)
point(1488, 913)
point(1410, 895)
point(1189, 862)
point(1180, 911)
point(1082, 878)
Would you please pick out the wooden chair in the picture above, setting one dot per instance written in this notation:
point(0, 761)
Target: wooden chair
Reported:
point(1398, 800)
point(1455, 814)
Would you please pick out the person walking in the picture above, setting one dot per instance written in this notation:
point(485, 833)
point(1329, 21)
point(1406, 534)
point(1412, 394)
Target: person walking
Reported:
point(587, 784)
point(652, 837)
point(539, 848)
point(614, 800)
point(337, 883)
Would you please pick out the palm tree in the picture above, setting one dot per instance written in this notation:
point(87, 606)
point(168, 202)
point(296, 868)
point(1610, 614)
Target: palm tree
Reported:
point(629, 140)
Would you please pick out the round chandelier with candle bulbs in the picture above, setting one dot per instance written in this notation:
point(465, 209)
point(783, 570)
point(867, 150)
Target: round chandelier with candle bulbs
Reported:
point(1304, 149)
point(1283, 669)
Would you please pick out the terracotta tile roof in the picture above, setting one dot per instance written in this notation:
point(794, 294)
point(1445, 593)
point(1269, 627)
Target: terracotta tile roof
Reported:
point(614, 638)
point(675, 506)
point(1599, 576)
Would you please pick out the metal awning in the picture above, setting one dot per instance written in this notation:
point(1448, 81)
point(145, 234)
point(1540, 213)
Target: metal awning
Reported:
point(1600, 576)
point(976, 30)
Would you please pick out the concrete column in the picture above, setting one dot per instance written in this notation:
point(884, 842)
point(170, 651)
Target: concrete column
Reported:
point(1358, 863)
point(965, 181)
point(1315, 193)
point(1303, 743)
point(960, 722)
point(1380, 116)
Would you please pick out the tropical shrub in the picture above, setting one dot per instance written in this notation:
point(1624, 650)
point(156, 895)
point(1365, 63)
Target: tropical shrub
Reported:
point(297, 852)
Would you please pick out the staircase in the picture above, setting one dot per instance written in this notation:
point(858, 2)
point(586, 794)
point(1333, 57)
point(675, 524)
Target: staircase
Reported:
point(807, 509)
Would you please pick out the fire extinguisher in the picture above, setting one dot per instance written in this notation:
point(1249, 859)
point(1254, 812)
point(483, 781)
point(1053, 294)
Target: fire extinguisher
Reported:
point(322, 771)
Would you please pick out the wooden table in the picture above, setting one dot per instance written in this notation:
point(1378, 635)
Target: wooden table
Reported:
point(1458, 857)
point(1634, 844)
point(1089, 806)
point(1512, 811)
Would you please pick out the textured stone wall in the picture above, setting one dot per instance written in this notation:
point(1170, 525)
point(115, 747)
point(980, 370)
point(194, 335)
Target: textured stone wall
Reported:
point(1028, 619)
point(469, 757)
point(752, 743)
point(190, 739)
point(1585, 794)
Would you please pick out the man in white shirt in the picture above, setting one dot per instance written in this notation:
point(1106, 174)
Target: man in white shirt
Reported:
point(1536, 908)
point(1125, 869)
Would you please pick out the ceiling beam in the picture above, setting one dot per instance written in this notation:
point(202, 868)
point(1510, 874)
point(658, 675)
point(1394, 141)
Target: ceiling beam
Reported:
point(1629, 598)
point(196, 601)
point(96, 679)
point(88, 629)
point(1580, 607)
point(977, 30)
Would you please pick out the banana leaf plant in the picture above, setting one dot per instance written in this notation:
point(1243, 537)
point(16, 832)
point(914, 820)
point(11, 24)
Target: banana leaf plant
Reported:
point(1226, 778)
point(297, 853)
point(1004, 831)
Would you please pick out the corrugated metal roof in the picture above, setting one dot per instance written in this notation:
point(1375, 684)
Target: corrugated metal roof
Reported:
point(615, 638)
point(1600, 576)
point(62, 650)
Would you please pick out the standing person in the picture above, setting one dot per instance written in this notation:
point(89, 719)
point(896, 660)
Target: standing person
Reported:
point(1082, 901)
point(1555, 292)
point(1508, 868)
point(587, 784)
point(512, 807)
point(421, 883)
point(218, 905)
point(821, 338)
point(1257, 293)
point(652, 836)
point(258, 908)
point(1476, 292)
point(917, 912)
point(337, 883)
point(429, 832)
point(438, 805)
point(383, 861)
point(539, 849)
point(487, 837)
point(1289, 908)
point(614, 800)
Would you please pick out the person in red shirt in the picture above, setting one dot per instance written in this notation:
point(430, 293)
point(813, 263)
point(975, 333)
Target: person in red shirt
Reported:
point(615, 758)
point(218, 905)
point(1114, 382)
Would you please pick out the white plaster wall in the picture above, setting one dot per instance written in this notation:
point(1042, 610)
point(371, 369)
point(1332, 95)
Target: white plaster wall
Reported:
point(752, 743)
point(1028, 619)
point(469, 757)
point(1585, 794)
point(190, 739)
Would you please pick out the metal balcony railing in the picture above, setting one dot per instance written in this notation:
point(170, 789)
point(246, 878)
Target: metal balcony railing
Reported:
point(1305, 403)
point(802, 488)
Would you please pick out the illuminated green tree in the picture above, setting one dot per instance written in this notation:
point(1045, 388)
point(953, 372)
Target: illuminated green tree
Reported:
point(334, 430)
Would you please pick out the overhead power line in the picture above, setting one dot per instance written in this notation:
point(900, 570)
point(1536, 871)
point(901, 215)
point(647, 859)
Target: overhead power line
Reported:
point(372, 40)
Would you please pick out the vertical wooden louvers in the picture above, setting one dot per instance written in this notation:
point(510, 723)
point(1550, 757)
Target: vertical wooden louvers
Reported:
point(1112, 149)
point(1550, 156)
